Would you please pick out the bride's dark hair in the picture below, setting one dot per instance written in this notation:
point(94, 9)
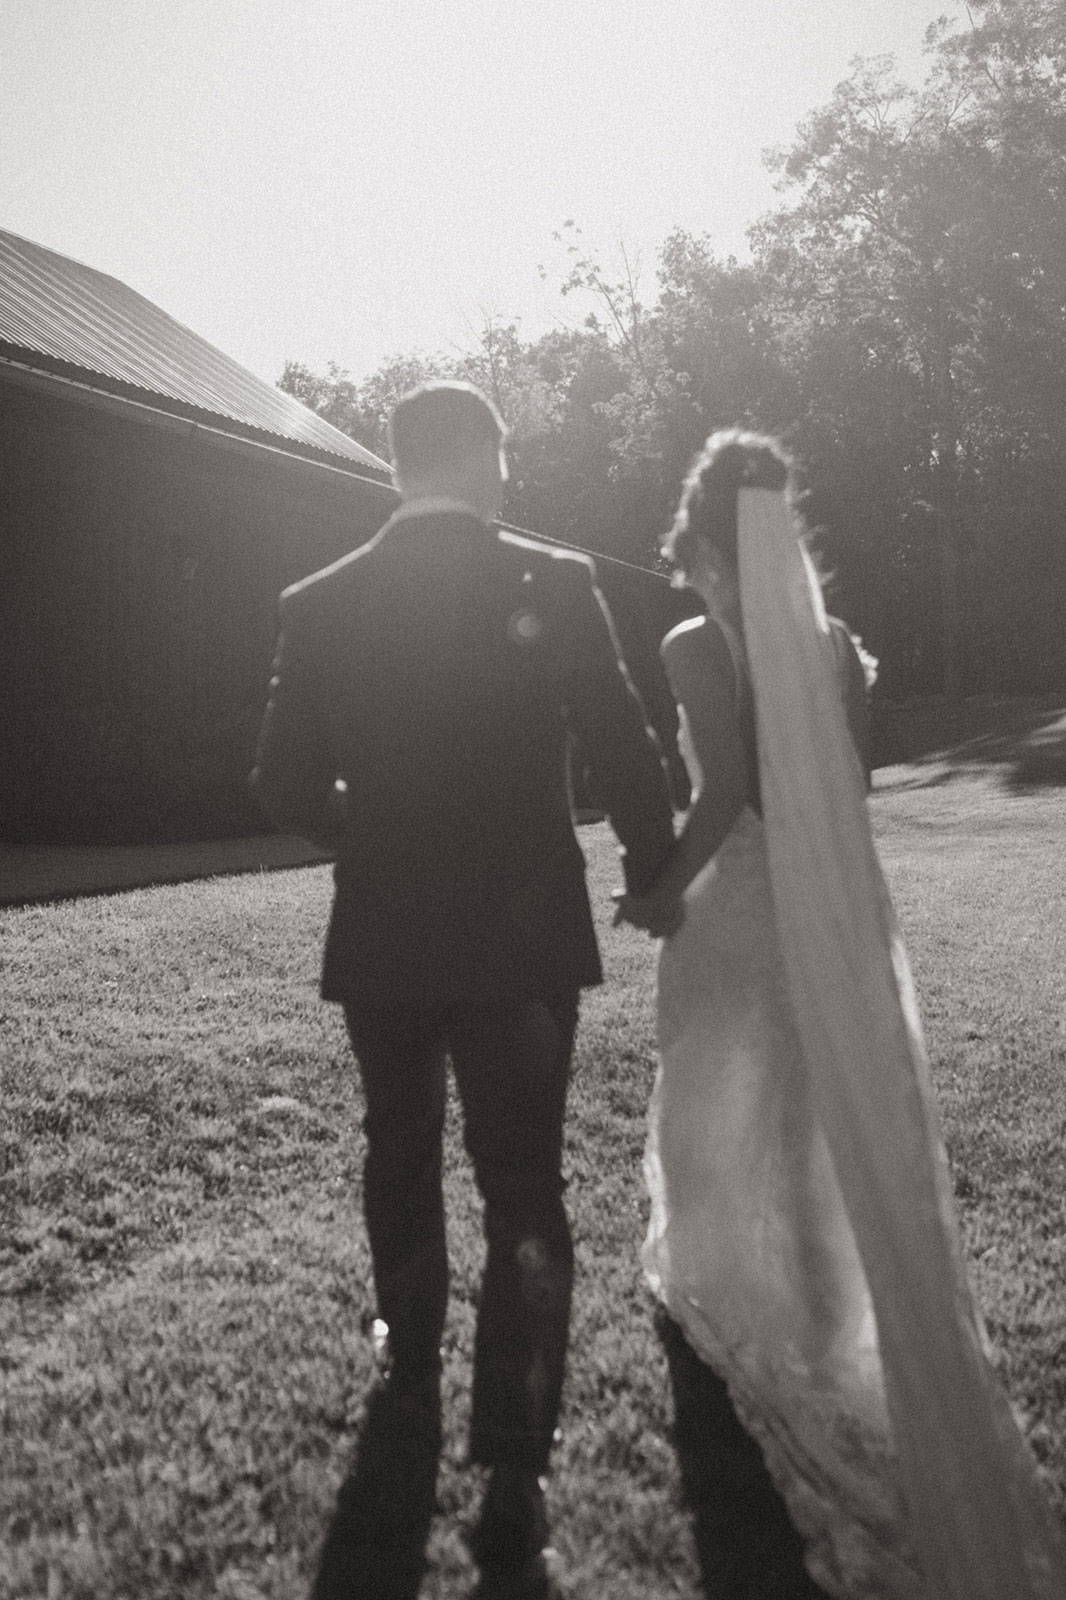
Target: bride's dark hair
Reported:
point(731, 459)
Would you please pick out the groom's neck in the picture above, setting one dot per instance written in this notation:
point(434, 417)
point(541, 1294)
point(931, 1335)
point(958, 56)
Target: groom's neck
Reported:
point(481, 489)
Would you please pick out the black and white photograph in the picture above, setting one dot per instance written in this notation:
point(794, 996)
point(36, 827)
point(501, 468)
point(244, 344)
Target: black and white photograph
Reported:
point(532, 800)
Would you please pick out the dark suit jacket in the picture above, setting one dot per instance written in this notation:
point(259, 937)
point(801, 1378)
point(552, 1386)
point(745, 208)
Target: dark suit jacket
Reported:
point(436, 671)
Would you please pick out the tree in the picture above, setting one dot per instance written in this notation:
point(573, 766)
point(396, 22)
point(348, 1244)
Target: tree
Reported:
point(332, 395)
point(699, 356)
point(900, 257)
point(361, 410)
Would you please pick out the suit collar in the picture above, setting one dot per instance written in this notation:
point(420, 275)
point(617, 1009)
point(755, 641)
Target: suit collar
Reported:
point(437, 524)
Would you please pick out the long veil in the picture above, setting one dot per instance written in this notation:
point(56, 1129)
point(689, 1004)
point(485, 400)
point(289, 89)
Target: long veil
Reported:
point(979, 1521)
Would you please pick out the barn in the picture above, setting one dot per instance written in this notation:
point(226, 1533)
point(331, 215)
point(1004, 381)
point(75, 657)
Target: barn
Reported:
point(155, 496)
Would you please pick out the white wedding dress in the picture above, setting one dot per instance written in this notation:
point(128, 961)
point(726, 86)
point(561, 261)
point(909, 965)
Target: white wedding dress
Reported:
point(801, 1224)
point(749, 1244)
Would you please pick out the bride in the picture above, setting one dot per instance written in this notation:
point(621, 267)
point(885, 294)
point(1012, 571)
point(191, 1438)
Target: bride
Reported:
point(802, 1242)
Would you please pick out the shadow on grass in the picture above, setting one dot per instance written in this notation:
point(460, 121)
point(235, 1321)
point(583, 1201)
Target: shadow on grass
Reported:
point(1020, 742)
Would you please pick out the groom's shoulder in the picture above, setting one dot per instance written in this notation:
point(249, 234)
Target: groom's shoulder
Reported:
point(539, 559)
point(319, 587)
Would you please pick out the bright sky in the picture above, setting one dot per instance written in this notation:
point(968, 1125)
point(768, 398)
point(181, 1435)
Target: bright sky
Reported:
point(348, 179)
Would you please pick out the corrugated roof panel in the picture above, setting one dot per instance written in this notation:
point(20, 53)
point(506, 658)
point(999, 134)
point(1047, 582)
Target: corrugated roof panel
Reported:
point(55, 312)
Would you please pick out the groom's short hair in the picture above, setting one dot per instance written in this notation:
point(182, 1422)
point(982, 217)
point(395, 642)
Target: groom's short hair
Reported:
point(439, 425)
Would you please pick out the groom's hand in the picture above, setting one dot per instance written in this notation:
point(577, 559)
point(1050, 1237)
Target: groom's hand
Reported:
point(655, 914)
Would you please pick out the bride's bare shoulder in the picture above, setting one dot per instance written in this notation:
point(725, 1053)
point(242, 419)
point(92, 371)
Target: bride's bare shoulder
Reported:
point(678, 637)
point(695, 645)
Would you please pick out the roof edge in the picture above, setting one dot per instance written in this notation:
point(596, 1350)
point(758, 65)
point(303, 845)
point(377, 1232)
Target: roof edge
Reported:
point(191, 421)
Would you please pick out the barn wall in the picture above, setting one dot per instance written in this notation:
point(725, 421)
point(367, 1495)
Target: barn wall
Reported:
point(139, 571)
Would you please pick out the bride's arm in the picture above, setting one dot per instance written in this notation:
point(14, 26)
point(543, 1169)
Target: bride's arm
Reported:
point(700, 669)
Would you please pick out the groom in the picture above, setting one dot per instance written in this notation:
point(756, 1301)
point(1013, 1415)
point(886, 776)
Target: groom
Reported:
point(424, 692)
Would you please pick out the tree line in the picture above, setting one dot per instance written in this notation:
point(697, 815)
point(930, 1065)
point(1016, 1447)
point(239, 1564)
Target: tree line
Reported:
point(901, 322)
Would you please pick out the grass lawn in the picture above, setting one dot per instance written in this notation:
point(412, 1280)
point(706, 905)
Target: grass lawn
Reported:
point(183, 1273)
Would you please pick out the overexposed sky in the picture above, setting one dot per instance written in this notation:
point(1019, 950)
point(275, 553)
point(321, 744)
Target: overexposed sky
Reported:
point(348, 179)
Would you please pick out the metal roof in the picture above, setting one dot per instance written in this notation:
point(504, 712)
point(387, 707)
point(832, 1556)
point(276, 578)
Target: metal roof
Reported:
point(61, 317)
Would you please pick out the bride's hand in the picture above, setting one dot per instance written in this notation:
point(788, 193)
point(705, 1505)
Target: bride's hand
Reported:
point(655, 914)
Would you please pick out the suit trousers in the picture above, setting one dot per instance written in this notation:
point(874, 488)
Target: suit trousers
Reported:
point(511, 1062)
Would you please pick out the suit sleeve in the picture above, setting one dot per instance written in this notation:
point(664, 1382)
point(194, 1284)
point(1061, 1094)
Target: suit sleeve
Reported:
point(295, 773)
point(606, 715)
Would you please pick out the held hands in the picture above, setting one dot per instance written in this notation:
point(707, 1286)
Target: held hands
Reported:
point(657, 914)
